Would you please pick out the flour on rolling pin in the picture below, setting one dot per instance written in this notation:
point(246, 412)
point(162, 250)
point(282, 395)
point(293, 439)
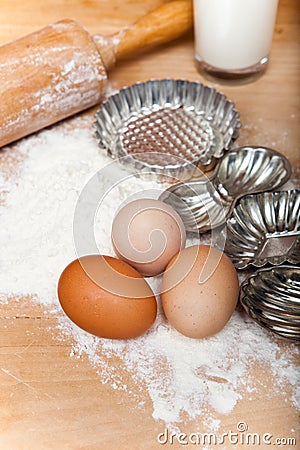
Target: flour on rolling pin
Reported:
point(61, 70)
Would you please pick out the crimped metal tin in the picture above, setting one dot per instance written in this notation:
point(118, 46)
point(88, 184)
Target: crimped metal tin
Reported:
point(264, 228)
point(167, 126)
point(205, 204)
point(272, 298)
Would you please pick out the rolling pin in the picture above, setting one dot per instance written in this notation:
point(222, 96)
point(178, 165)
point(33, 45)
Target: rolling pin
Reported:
point(61, 69)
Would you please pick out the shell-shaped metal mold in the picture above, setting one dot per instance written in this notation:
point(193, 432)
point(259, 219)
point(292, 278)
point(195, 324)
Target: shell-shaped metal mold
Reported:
point(272, 298)
point(264, 228)
point(250, 170)
point(167, 125)
point(241, 171)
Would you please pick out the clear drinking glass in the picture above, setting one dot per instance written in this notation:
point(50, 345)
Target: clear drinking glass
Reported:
point(233, 38)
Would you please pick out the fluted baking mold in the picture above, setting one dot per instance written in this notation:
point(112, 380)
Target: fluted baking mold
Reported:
point(272, 298)
point(264, 228)
point(167, 126)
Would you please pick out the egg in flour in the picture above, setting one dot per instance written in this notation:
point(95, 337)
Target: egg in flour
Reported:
point(200, 290)
point(147, 233)
point(106, 297)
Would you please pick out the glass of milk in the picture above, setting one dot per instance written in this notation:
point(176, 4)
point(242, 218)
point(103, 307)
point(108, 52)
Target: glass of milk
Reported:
point(233, 38)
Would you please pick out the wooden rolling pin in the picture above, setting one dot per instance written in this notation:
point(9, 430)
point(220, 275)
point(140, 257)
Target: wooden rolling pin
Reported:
point(61, 70)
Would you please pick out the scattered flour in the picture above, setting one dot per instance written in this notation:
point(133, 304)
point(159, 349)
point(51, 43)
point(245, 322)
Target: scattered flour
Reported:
point(183, 377)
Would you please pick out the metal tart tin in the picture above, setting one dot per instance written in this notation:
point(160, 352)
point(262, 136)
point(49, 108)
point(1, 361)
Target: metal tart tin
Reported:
point(272, 298)
point(264, 228)
point(206, 203)
point(160, 122)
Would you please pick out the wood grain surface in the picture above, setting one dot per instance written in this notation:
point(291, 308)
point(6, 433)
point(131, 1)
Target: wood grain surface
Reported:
point(51, 401)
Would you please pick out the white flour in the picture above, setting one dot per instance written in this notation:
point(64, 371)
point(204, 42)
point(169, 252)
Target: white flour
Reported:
point(181, 376)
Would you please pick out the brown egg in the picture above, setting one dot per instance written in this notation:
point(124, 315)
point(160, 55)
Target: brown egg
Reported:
point(200, 290)
point(147, 233)
point(107, 297)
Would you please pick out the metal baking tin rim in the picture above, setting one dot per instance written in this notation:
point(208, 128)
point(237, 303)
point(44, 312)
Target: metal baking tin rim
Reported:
point(107, 126)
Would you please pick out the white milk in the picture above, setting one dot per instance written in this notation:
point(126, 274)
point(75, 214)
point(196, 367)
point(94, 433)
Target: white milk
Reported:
point(233, 34)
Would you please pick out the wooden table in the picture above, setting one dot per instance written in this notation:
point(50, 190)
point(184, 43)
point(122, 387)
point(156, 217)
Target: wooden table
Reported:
point(49, 400)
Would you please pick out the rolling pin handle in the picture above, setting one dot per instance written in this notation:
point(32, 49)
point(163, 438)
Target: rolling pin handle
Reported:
point(163, 24)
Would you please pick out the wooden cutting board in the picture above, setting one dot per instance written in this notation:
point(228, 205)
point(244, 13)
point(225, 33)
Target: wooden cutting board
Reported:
point(49, 400)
